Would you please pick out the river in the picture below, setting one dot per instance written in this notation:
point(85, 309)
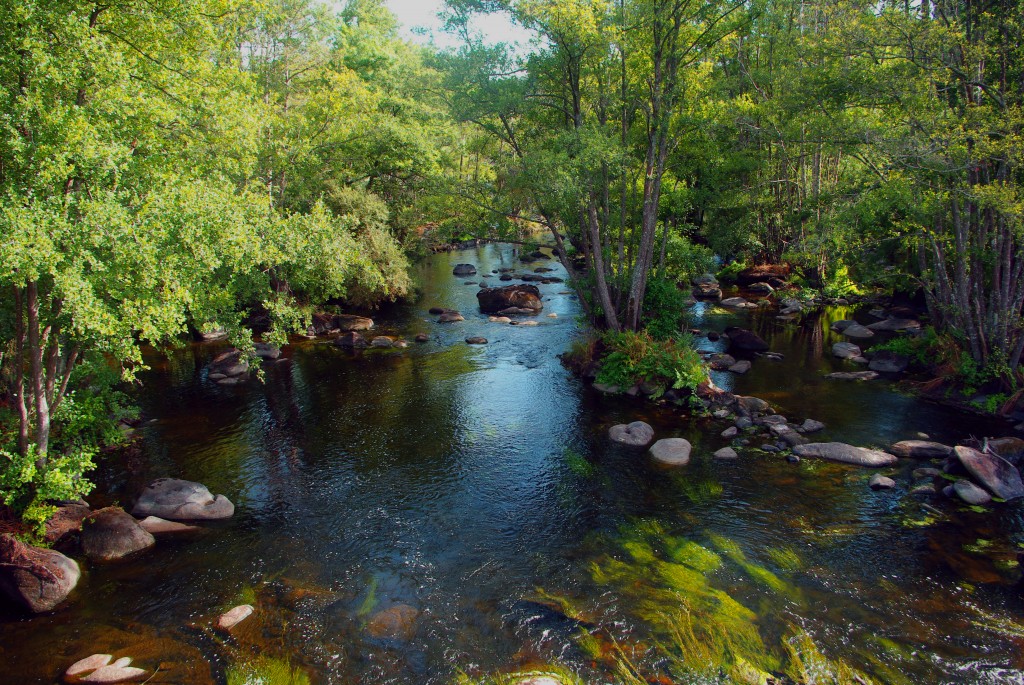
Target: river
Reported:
point(476, 485)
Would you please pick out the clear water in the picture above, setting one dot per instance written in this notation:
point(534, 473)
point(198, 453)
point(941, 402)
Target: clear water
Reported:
point(472, 482)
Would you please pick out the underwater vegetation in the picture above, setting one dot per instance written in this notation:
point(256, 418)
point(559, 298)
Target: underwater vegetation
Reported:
point(265, 671)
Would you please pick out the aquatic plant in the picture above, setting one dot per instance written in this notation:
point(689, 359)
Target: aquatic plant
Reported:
point(555, 672)
point(265, 671)
point(578, 463)
point(807, 664)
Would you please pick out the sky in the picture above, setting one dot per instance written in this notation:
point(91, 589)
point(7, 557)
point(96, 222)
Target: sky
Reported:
point(416, 14)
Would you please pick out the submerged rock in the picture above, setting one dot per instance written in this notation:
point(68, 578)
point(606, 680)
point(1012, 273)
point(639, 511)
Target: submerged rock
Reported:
point(476, 340)
point(351, 340)
point(495, 300)
point(637, 434)
point(847, 454)
point(450, 316)
point(671, 451)
point(110, 534)
point(464, 270)
point(98, 669)
point(35, 578)
point(994, 473)
point(232, 618)
point(175, 499)
point(382, 341)
point(396, 623)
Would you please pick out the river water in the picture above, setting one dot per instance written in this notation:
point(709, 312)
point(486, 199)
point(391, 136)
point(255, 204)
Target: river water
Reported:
point(476, 485)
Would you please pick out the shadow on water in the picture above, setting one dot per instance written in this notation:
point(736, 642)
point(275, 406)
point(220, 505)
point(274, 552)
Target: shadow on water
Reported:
point(472, 490)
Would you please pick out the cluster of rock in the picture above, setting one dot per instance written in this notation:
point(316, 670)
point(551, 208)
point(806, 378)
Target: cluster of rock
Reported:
point(40, 579)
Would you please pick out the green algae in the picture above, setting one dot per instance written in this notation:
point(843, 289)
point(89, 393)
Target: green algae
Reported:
point(759, 574)
point(785, 558)
point(265, 671)
point(807, 664)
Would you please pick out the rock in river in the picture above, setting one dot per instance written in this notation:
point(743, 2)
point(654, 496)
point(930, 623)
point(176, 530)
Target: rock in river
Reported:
point(494, 300)
point(476, 340)
point(464, 270)
point(920, 449)
point(995, 474)
point(847, 454)
point(110, 534)
point(98, 669)
point(351, 322)
point(845, 350)
point(351, 340)
point(880, 482)
point(745, 341)
point(671, 451)
point(232, 618)
point(853, 376)
point(450, 316)
point(396, 623)
point(971, 493)
point(637, 434)
point(35, 578)
point(858, 332)
point(174, 499)
point(726, 453)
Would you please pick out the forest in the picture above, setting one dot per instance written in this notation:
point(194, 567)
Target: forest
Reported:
point(173, 167)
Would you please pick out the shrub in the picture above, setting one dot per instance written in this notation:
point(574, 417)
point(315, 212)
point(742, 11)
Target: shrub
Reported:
point(664, 304)
point(635, 357)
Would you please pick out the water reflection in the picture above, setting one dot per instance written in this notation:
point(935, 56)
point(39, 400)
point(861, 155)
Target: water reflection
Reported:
point(459, 480)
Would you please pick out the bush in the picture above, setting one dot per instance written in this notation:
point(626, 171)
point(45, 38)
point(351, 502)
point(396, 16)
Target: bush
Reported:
point(730, 272)
point(664, 304)
point(684, 260)
point(632, 358)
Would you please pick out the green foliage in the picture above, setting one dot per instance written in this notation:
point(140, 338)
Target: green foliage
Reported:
point(633, 358)
point(729, 272)
point(664, 306)
point(684, 259)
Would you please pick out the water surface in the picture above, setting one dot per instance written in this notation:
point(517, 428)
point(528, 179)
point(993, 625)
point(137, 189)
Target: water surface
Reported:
point(474, 483)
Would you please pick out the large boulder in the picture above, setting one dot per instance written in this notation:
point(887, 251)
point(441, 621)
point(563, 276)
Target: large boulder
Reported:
point(671, 451)
point(637, 434)
point(181, 500)
point(110, 534)
point(229, 364)
point(994, 473)
point(34, 578)
point(887, 361)
point(920, 449)
point(745, 341)
point(464, 270)
point(351, 322)
point(847, 454)
point(494, 300)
